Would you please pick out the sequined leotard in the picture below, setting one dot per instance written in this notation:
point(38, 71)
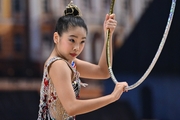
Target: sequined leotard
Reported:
point(50, 107)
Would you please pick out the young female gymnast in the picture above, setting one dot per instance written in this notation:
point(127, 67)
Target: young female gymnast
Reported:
point(61, 84)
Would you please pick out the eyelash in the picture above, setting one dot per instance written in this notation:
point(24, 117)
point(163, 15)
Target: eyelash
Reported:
point(82, 42)
point(72, 40)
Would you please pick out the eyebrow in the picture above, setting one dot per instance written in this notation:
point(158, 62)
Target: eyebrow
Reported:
point(77, 36)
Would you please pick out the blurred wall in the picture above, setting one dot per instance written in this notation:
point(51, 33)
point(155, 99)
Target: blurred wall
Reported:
point(26, 28)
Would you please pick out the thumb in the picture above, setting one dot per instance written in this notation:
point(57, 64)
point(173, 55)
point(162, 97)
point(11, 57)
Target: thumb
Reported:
point(107, 17)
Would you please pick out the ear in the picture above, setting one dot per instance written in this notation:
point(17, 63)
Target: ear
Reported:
point(56, 37)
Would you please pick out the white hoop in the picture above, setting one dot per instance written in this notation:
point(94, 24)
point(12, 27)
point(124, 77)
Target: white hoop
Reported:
point(168, 25)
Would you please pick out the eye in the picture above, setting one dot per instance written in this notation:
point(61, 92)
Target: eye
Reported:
point(72, 40)
point(82, 41)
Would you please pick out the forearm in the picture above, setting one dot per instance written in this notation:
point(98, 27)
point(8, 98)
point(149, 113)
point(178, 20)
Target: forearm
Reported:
point(103, 59)
point(76, 107)
point(85, 106)
point(109, 24)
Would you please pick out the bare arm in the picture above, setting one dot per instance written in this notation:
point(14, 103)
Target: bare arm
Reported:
point(60, 74)
point(100, 71)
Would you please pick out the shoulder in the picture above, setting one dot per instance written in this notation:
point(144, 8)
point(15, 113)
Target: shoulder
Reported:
point(59, 64)
point(60, 74)
point(59, 71)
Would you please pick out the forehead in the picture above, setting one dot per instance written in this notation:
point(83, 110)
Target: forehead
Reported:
point(78, 31)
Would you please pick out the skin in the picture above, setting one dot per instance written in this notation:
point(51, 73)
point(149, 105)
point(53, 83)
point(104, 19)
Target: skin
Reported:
point(69, 46)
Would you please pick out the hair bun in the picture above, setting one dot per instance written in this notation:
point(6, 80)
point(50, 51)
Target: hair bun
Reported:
point(72, 9)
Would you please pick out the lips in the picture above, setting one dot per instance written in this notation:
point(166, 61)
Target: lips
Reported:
point(73, 54)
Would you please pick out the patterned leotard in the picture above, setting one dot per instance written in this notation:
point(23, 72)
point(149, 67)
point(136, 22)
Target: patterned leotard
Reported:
point(50, 107)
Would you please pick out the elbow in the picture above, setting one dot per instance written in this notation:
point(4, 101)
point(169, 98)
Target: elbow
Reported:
point(106, 75)
point(71, 112)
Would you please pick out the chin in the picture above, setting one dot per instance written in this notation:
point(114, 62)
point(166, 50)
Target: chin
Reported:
point(73, 59)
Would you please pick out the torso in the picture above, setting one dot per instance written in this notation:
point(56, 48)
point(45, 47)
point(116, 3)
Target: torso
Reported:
point(50, 107)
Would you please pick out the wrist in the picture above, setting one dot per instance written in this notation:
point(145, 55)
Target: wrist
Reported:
point(112, 98)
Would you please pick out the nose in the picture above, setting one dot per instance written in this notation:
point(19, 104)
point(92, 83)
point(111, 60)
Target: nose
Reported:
point(76, 47)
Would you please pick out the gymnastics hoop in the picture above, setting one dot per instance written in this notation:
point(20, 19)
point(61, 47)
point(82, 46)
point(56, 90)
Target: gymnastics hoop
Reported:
point(161, 45)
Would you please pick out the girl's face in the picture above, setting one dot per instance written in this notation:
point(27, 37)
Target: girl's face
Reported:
point(71, 43)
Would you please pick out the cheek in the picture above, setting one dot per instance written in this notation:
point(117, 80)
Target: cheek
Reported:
point(65, 45)
point(82, 46)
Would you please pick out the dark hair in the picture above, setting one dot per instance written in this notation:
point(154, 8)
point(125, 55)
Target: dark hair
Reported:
point(70, 19)
point(66, 22)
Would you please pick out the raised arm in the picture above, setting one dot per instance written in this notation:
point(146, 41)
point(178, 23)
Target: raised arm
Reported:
point(60, 74)
point(100, 71)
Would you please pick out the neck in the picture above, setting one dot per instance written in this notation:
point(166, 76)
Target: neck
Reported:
point(55, 53)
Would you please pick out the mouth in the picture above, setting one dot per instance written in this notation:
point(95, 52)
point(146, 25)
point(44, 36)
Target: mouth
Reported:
point(73, 54)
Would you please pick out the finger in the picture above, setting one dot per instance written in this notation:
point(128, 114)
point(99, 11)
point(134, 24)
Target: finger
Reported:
point(112, 28)
point(126, 85)
point(112, 21)
point(111, 25)
point(112, 16)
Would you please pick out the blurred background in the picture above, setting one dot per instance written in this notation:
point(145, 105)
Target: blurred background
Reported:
point(26, 30)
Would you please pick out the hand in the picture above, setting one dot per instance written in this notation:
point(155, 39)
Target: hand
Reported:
point(110, 23)
point(118, 90)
